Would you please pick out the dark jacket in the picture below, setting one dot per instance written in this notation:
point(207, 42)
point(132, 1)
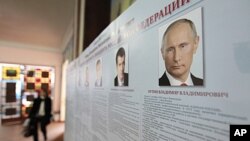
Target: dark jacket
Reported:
point(36, 105)
point(164, 81)
point(125, 80)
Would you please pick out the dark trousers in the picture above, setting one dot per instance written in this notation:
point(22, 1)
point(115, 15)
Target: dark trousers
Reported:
point(43, 123)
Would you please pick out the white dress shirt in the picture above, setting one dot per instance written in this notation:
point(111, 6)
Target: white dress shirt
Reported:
point(175, 82)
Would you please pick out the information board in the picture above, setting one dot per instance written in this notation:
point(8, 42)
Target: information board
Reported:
point(174, 70)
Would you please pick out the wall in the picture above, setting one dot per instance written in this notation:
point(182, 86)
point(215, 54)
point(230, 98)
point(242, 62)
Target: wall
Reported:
point(36, 57)
point(96, 19)
point(119, 6)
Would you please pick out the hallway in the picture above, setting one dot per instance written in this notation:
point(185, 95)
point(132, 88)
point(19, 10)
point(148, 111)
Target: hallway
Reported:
point(14, 132)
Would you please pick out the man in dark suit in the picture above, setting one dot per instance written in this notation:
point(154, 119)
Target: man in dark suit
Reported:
point(41, 113)
point(179, 44)
point(122, 78)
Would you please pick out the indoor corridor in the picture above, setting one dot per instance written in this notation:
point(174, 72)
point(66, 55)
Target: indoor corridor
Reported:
point(13, 132)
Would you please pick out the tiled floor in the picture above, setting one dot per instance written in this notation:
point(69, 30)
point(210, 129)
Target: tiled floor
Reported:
point(14, 132)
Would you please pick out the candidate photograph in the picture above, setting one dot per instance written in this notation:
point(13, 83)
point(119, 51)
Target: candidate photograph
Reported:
point(98, 67)
point(179, 45)
point(121, 78)
point(86, 77)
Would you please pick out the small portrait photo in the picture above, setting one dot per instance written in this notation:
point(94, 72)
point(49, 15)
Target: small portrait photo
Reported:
point(86, 76)
point(121, 65)
point(181, 51)
point(98, 70)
